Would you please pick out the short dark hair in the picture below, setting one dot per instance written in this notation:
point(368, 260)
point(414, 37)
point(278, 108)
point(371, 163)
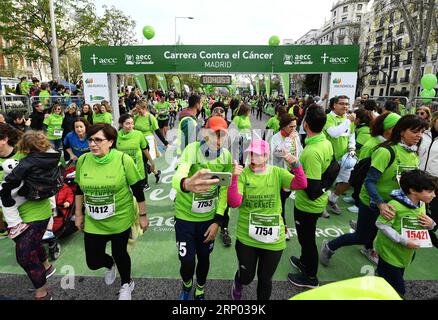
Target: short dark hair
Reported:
point(218, 104)
point(370, 105)
point(337, 98)
point(193, 100)
point(84, 121)
point(123, 118)
point(7, 131)
point(285, 119)
point(391, 106)
point(16, 114)
point(417, 180)
point(108, 130)
point(365, 116)
point(315, 118)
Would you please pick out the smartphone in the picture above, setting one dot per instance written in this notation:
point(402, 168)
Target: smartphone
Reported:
point(224, 178)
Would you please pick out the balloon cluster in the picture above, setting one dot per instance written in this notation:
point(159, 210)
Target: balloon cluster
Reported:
point(428, 81)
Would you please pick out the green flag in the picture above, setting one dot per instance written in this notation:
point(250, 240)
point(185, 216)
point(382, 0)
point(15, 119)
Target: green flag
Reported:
point(257, 85)
point(285, 82)
point(268, 84)
point(162, 82)
point(177, 84)
point(140, 81)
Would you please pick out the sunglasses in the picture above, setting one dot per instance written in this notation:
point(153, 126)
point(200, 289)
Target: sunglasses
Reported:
point(420, 113)
point(97, 141)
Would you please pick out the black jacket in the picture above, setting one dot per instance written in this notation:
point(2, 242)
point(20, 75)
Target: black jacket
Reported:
point(88, 117)
point(37, 120)
point(67, 123)
point(39, 171)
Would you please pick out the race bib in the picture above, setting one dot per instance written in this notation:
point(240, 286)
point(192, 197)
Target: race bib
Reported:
point(100, 207)
point(412, 230)
point(204, 202)
point(57, 132)
point(264, 228)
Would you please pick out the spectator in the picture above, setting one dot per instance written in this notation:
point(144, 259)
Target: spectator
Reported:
point(424, 113)
point(87, 113)
point(18, 121)
point(37, 116)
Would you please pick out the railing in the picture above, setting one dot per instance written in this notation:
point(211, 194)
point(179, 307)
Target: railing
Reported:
point(15, 103)
point(377, 53)
point(48, 102)
point(385, 66)
point(432, 103)
point(403, 101)
point(396, 63)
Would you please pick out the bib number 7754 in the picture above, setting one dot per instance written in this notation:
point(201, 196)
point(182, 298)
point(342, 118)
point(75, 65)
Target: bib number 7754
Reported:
point(263, 231)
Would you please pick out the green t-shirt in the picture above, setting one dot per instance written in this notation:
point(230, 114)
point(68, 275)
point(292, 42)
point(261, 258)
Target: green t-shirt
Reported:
point(394, 253)
point(54, 126)
point(315, 159)
point(367, 148)
point(387, 182)
point(105, 117)
point(198, 207)
point(163, 110)
point(133, 144)
point(362, 135)
point(274, 124)
point(259, 223)
point(105, 182)
point(44, 96)
point(242, 123)
point(146, 124)
point(340, 144)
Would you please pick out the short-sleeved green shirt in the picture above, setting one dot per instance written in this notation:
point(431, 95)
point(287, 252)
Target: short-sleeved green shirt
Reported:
point(261, 197)
point(54, 126)
point(315, 159)
point(105, 117)
point(274, 124)
point(362, 135)
point(164, 108)
point(146, 124)
point(242, 123)
point(340, 144)
point(106, 183)
point(387, 182)
point(368, 147)
point(133, 144)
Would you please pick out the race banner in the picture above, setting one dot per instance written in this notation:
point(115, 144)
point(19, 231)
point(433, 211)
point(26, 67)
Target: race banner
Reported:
point(140, 81)
point(267, 80)
point(257, 85)
point(177, 84)
point(343, 83)
point(162, 82)
point(285, 83)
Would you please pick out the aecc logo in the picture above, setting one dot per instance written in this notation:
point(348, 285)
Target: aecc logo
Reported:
point(104, 61)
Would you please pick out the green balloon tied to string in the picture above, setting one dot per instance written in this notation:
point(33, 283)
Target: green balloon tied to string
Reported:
point(429, 81)
point(274, 40)
point(148, 32)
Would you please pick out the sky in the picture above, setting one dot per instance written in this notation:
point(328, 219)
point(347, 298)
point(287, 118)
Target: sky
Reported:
point(226, 22)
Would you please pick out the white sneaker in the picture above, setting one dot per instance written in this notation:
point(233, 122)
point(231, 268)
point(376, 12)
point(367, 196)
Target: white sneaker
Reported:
point(48, 235)
point(110, 275)
point(126, 290)
point(353, 209)
point(325, 214)
point(370, 254)
point(349, 200)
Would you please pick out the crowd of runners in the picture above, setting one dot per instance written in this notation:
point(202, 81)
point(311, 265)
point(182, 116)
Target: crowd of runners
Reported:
point(320, 149)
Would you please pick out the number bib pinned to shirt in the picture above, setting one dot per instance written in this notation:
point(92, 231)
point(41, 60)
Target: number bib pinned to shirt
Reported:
point(100, 207)
point(57, 132)
point(412, 230)
point(204, 202)
point(264, 228)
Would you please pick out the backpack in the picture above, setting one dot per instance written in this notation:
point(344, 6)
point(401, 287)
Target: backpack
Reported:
point(330, 174)
point(360, 170)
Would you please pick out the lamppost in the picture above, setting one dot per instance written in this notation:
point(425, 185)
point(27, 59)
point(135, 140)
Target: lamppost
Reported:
point(191, 18)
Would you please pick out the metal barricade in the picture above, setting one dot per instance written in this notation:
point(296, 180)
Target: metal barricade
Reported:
point(418, 102)
point(404, 105)
point(49, 101)
point(15, 103)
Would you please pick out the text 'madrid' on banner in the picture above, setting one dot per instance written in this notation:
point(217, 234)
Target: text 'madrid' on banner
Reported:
point(214, 59)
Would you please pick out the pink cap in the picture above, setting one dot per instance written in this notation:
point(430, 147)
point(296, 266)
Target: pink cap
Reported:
point(260, 147)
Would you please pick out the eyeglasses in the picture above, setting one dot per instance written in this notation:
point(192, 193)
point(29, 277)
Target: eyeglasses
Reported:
point(97, 141)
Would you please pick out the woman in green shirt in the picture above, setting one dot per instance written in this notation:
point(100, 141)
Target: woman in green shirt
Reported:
point(108, 181)
point(362, 122)
point(133, 143)
point(53, 126)
point(100, 114)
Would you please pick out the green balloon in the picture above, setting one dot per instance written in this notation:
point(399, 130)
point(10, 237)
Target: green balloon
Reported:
point(274, 41)
point(427, 94)
point(429, 81)
point(148, 32)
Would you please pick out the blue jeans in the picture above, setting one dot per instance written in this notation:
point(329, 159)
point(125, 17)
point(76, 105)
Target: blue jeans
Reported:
point(57, 144)
point(365, 233)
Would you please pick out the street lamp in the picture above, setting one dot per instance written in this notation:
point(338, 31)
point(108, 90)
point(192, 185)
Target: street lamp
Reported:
point(191, 18)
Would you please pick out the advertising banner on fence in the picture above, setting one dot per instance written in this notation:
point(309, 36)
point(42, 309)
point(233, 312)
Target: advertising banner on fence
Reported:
point(343, 83)
point(212, 59)
point(96, 87)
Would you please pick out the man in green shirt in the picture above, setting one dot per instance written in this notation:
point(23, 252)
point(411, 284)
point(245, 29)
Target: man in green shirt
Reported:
point(311, 202)
point(199, 207)
point(339, 130)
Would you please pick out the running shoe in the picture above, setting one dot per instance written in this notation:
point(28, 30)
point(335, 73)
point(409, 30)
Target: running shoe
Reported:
point(370, 254)
point(353, 224)
point(226, 239)
point(17, 230)
point(184, 294)
point(48, 235)
point(297, 264)
point(146, 187)
point(334, 208)
point(48, 296)
point(111, 274)
point(198, 296)
point(126, 291)
point(158, 176)
point(236, 291)
point(325, 254)
point(303, 281)
point(349, 200)
point(325, 214)
point(50, 271)
point(353, 209)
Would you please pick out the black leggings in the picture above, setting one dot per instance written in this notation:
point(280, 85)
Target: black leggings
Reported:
point(95, 245)
point(433, 213)
point(284, 195)
point(187, 269)
point(259, 114)
point(267, 261)
point(226, 219)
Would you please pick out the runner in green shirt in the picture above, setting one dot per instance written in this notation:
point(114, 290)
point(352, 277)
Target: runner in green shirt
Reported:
point(108, 181)
point(163, 108)
point(44, 95)
point(362, 127)
point(100, 114)
point(399, 237)
point(133, 143)
point(260, 227)
point(199, 207)
point(274, 122)
point(53, 126)
point(243, 124)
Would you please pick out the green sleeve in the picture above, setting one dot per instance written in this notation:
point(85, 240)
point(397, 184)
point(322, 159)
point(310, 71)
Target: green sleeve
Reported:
point(183, 170)
point(79, 164)
point(47, 121)
point(286, 178)
point(380, 159)
point(241, 183)
point(132, 174)
point(143, 142)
